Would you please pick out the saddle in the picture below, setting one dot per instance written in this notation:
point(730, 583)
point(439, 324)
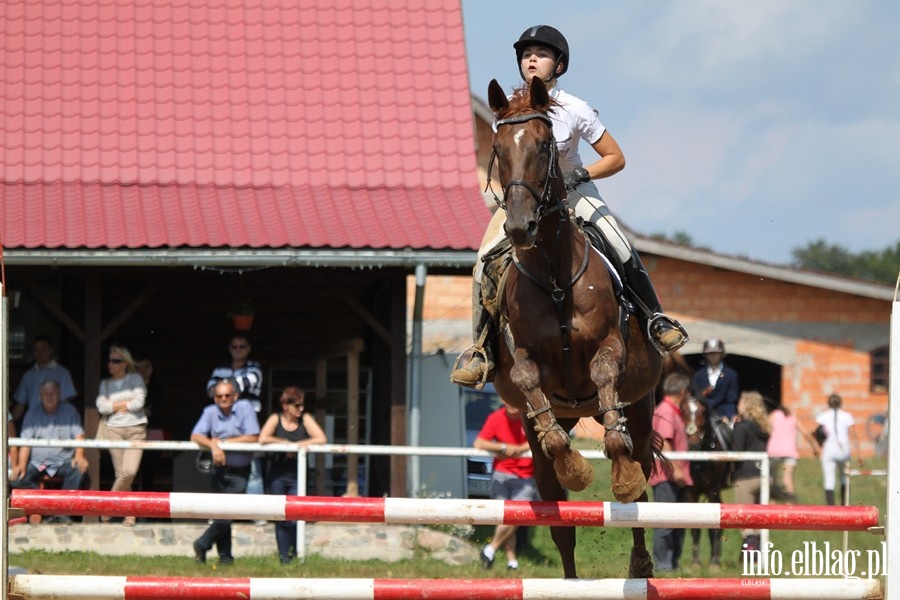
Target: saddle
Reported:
point(496, 271)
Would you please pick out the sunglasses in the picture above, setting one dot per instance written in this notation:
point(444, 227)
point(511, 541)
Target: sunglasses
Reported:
point(116, 361)
point(297, 404)
point(224, 395)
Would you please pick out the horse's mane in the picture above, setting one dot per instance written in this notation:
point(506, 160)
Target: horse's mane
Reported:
point(520, 103)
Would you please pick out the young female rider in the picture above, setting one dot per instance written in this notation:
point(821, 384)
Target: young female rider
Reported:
point(542, 51)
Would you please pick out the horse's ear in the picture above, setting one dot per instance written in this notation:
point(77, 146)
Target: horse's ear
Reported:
point(540, 98)
point(497, 97)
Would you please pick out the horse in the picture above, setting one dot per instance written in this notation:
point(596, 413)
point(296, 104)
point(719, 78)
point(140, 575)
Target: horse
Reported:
point(709, 478)
point(567, 348)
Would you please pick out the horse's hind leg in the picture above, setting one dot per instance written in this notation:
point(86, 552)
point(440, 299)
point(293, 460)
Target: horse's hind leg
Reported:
point(695, 547)
point(640, 565)
point(552, 491)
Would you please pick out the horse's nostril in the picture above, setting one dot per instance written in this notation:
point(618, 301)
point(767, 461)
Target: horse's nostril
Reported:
point(532, 227)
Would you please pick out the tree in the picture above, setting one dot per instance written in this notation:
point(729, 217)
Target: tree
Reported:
point(871, 265)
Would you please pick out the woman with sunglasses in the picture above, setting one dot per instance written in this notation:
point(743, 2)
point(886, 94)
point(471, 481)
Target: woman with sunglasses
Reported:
point(121, 404)
point(291, 426)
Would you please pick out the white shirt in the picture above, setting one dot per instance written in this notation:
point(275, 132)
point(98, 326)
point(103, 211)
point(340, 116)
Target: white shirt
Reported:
point(573, 120)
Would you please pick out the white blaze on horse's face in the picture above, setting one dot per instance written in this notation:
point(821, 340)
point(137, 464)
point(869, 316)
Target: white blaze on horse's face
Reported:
point(518, 137)
point(693, 408)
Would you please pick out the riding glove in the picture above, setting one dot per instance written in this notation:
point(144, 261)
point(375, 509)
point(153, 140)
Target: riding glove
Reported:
point(576, 177)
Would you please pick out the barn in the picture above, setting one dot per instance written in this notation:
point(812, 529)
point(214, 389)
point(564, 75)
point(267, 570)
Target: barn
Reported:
point(165, 164)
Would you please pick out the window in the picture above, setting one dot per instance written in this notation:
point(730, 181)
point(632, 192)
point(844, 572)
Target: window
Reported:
point(880, 369)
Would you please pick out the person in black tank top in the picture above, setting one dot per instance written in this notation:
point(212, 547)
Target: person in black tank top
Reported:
point(291, 426)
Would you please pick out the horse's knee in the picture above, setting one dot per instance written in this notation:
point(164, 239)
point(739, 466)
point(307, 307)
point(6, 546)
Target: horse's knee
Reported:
point(525, 375)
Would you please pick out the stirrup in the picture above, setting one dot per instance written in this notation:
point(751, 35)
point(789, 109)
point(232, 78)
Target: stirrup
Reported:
point(476, 351)
point(652, 324)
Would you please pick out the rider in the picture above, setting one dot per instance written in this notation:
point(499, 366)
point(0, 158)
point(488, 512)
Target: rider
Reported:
point(542, 51)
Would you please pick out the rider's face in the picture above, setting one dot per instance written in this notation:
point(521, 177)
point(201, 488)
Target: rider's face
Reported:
point(537, 61)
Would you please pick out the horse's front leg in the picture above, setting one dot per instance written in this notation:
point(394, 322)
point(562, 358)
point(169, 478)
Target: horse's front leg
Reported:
point(628, 480)
point(572, 470)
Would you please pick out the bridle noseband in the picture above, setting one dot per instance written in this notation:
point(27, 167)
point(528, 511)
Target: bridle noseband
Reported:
point(543, 196)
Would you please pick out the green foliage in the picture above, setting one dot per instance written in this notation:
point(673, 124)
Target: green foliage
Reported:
point(879, 266)
point(244, 307)
point(679, 237)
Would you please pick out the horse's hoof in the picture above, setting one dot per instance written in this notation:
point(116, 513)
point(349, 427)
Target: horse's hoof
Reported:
point(628, 481)
point(573, 471)
point(641, 565)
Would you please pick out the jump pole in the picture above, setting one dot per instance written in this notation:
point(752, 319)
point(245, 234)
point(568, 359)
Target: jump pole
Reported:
point(174, 505)
point(892, 519)
point(46, 587)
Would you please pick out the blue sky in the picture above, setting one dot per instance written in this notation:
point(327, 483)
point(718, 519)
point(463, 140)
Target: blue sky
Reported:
point(755, 127)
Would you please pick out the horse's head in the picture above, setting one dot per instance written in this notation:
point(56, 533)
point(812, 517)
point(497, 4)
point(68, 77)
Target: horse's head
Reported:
point(694, 414)
point(526, 157)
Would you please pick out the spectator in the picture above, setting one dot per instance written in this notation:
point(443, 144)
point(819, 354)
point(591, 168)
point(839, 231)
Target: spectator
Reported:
point(291, 426)
point(152, 408)
point(670, 479)
point(45, 368)
point(751, 434)
point(782, 449)
point(228, 420)
point(512, 478)
point(121, 403)
point(52, 420)
point(840, 427)
point(249, 377)
point(717, 383)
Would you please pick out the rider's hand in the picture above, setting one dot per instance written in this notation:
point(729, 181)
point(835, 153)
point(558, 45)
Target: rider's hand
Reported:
point(576, 177)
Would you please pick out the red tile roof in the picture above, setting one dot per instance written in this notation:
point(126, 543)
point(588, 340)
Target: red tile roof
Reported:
point(236, 123)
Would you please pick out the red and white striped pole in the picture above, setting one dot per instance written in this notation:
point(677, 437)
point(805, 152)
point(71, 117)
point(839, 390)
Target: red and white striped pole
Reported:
point(443, 511)
point(45, 587)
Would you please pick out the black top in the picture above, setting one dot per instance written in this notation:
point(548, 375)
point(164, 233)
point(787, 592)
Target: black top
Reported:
point(748, 437)
point(282, 462)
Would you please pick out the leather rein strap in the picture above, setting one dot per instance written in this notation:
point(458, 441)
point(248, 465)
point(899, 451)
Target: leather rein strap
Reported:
point(557, 292)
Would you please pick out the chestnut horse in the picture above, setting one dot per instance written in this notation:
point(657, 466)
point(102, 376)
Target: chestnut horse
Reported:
point(567, 347)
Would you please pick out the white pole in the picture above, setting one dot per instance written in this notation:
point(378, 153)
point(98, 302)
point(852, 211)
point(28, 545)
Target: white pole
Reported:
point(415, 380)
point(300, 542)
point(892, 520)
point(4, 436)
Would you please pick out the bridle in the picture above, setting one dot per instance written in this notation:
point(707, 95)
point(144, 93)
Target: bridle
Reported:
point(556, 288)
point(543, 196)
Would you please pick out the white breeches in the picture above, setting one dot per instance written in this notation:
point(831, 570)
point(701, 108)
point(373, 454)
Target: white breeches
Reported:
point(833, 460)
point(587, 204)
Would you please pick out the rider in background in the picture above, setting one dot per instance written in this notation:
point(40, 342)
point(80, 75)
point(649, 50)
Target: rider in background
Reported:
point(542, 51)
point(717, 383)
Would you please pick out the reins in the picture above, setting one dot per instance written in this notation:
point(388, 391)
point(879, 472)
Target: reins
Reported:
point(557, 292)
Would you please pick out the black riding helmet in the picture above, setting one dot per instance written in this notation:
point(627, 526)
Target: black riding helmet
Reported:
point(544, 35)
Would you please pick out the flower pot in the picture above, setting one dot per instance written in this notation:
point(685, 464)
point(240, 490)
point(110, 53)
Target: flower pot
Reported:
point(242, 322)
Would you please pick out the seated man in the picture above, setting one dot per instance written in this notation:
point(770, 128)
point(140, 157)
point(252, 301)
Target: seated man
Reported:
point(54, 420)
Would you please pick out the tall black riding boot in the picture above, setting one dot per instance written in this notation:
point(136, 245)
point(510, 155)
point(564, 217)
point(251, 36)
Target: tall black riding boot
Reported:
point(666, 333)
point(829, 497)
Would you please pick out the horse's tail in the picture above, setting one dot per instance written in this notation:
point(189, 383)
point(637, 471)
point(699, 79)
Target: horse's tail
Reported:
point(660, 461)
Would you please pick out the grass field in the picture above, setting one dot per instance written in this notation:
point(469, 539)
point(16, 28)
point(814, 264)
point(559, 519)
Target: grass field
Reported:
point(601, 552)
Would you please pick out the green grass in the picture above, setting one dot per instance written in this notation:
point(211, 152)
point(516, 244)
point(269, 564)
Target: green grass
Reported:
point(601, 552)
